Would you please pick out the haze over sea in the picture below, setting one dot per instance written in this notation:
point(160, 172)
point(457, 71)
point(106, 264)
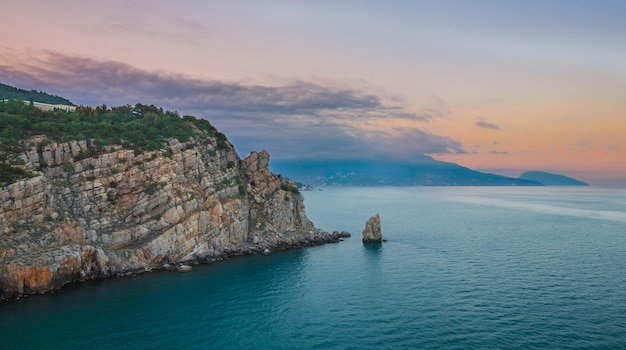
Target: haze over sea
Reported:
point(497, 267)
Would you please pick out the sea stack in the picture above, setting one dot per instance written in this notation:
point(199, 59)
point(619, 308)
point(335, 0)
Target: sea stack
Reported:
point(372, 232)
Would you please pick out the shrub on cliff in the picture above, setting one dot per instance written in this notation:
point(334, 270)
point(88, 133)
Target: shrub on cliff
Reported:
point(10, 174)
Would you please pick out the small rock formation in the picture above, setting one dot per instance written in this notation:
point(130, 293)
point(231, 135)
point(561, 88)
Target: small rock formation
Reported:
point(372, 232)
point(342, 234)
point(184, 268)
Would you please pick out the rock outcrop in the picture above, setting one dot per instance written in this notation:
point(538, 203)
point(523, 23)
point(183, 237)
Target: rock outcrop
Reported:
point(372, 232)
point(94, 211)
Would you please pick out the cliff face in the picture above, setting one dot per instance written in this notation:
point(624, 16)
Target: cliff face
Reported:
point(96, 212)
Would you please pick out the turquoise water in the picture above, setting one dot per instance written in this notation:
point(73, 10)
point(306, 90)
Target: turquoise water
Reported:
point(463, 268)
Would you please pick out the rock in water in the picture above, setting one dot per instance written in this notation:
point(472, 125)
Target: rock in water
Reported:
point(372, 232)
point(184, 268)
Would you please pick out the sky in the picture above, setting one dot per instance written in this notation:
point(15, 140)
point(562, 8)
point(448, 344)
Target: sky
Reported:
point(499, 86)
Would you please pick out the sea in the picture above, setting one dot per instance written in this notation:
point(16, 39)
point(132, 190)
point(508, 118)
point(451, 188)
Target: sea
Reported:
point(462, 268)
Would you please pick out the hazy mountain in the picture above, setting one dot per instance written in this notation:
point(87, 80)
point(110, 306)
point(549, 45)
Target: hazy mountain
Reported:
point(425, 171)
point(549, 179)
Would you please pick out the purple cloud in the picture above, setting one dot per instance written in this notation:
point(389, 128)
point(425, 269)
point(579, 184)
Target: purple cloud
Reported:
point(482, 123)
point(298, 117)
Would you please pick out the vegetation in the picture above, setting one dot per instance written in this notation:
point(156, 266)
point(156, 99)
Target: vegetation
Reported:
point(151, 188)
point(225, 183)
point(67, 167)
point(10, 174)
point(142, 127)
point(12, 93)
point(289, 188)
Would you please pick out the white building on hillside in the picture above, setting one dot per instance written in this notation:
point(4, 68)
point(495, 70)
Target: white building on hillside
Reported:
point(49, 107)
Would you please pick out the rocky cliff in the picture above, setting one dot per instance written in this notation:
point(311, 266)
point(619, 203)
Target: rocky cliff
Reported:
point(93, 211)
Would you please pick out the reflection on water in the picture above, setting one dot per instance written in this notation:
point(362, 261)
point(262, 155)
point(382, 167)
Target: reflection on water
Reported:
point(373, 249)
point(590, 206)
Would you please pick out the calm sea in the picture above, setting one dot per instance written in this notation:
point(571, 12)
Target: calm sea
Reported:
point(463, 268)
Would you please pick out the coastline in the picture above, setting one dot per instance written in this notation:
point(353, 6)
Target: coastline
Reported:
point(119, 211)
point(312, 238)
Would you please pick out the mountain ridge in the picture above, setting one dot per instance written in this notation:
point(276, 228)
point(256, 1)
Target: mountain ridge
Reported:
point(422, 171)
point(551, 179)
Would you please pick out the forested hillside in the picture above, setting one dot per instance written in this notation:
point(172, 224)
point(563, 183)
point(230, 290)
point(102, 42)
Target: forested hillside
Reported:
point(9, 92)
point(140, 127)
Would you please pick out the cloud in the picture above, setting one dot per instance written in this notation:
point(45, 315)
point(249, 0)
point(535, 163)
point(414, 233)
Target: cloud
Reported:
point(117, 83)
point(580, 146)
point(435, 108)
point(296, 117)
point(486, 125)
point(612, 148)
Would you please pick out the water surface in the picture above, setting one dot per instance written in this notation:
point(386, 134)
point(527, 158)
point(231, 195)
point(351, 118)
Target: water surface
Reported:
point(462, 268)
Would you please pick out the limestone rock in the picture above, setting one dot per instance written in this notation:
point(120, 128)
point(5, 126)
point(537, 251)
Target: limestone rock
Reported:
point(372, 232)
point(116, 212)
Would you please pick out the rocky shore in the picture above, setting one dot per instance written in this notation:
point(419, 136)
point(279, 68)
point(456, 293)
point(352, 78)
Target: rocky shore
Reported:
point(313, 238)
point(95, 212)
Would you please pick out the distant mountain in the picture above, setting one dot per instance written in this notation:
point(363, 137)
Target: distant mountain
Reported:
point(425, 171)
point(8, 92)
point(549, 179)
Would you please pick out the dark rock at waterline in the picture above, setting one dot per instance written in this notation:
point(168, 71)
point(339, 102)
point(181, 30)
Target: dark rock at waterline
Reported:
point(342, 234)
point(184, 268)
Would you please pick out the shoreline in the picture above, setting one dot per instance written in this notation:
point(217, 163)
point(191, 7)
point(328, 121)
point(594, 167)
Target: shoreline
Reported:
point(264, 247)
